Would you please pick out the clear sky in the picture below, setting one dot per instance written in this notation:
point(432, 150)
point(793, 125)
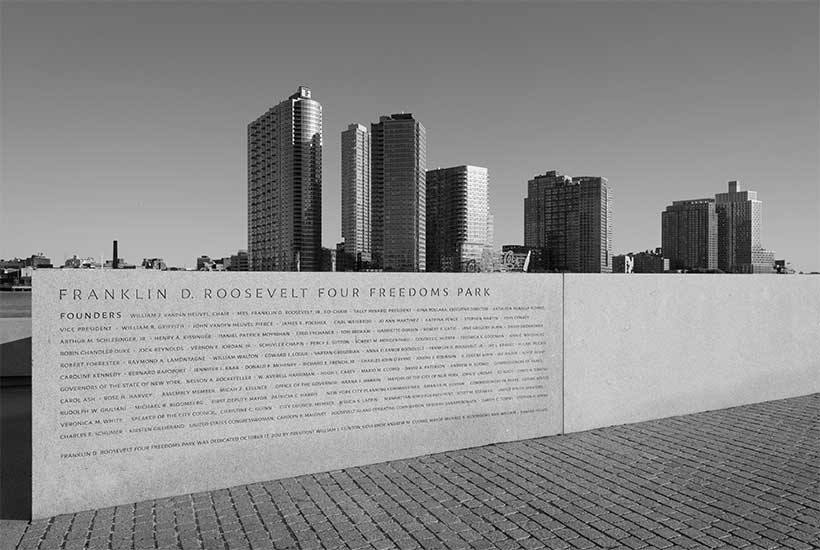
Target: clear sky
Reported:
point(128, 120)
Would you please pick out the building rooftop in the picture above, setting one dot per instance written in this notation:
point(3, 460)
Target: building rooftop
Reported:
point(744, 477)
point(301, 92)
point(396, 116)
point(693, 201)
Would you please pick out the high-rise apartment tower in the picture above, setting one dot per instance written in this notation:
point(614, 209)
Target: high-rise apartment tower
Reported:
point(689, 234)
point(571, 220)
point(356, 226)
point(398, 161)
point(739, 243)
point(285, 186)
point(459, 224)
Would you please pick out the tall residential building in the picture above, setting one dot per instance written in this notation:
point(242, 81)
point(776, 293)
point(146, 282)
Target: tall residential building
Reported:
point(398, 163)
point(595, 212)
point(739, 245)
point(689, 234)
point(571, 220)
point(459, 224)
point(285, 186)
point(356, 230)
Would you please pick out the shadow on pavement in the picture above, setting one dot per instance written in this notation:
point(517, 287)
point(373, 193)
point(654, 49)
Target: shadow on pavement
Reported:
point(15, 433)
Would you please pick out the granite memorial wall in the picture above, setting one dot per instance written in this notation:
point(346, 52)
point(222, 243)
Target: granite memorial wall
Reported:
point(149, 384)
point(685, 344)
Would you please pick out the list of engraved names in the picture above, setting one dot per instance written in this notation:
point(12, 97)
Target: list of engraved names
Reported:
point(235, 364)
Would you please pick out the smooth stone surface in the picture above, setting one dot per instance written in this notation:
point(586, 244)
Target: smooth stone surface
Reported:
point(643, 347)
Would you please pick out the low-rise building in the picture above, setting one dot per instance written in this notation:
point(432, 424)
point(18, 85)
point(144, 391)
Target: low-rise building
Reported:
point(238, 261)
point(650, 262)
point(154, 263)
point(782, 267)
point(623, 263)
point(204, 263)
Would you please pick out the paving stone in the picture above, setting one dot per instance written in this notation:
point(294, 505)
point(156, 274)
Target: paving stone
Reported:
point(738, 478)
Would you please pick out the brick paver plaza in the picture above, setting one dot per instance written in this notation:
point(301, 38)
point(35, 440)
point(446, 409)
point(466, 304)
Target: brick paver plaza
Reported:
point(745, 477)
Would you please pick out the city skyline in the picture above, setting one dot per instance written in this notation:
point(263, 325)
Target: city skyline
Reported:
point(143, 142)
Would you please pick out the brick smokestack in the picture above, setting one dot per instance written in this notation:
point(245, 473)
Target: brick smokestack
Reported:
point(115, 262)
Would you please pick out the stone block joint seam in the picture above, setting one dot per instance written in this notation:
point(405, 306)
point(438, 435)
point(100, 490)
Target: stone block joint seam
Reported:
point(563, 348)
